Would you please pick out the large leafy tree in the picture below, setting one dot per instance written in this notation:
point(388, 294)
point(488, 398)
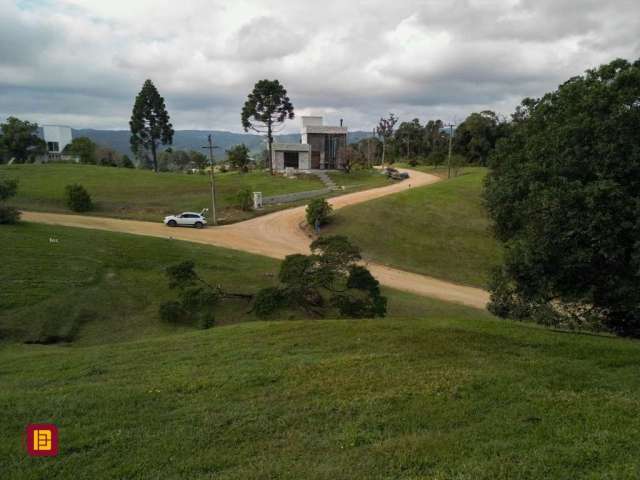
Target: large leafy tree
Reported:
point(409, 136)
point(329, 277)
point(564, 193)
point(84, 148)
point(476, 137)
point(239, 157)
point(266, 108)
point(150, 126)
point(20, 140)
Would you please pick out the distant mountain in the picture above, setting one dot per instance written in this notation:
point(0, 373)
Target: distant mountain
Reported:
point(196, 139)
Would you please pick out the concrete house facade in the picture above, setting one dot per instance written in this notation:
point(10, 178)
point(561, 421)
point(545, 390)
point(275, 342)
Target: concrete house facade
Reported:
point(57, 137)
point(321, 148)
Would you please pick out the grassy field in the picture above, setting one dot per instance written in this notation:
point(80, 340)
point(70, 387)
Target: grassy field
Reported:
point(92, 286)
point(144, 195)
point(441, 397)
point(439, 230)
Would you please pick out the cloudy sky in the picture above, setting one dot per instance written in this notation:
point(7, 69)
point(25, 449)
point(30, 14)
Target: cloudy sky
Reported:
point(81, 62)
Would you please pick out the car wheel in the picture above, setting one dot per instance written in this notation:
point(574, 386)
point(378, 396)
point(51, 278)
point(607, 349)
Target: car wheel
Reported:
point(172, 223)
point(198, 225)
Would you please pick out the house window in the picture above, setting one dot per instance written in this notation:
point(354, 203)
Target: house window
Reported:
point(53, 146)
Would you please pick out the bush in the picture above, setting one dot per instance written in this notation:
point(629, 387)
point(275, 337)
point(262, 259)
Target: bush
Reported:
point(268, 300)
point(126, 162)
point(9, 215)
point(172, 312)
point(318, 210)
point(244, 199)
point(77, 198)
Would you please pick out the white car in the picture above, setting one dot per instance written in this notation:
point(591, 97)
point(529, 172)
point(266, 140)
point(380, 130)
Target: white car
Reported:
point(186, 219)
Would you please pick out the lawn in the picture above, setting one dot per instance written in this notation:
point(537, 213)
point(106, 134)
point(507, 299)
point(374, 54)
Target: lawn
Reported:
point(90, 286)
point(142, 194)
point(358, 179)
point(442, 397)
point(440, 230)
point(432, 391)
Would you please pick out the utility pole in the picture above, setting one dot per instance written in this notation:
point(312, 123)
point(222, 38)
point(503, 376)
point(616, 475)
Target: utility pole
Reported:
point(212, 181)
point(451, 125)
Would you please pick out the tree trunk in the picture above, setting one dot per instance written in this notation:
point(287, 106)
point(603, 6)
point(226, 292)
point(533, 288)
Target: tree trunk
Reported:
point(270, 141)
point(154, 156)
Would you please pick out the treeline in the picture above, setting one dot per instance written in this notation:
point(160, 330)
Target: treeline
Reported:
point(473, 140)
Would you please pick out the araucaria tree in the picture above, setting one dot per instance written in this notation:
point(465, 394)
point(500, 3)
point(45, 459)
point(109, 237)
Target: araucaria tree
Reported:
point(149, 124)
point(266, 108)
point(564, 193)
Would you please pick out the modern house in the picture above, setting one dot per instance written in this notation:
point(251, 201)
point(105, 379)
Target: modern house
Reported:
point(321, 148)
point(57, 137)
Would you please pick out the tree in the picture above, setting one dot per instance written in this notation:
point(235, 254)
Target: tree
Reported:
point(239, 157)
point(198, 159)
point(564, 194)
point(84, 148)
point(125, 162)
point(409, 137)
point(435, 141)
point(8, 189)
point(318, 211)
point(476, 137)
point(329, 277)
point(352, 157)
point(385, 130)
point(20, 140)
point(149, 124)
point(197, 298)
point(267, 106)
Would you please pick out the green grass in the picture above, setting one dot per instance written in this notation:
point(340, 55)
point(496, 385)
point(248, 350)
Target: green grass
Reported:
point(443, 397)
point(142, 194)
point(439, 230)
point(94, 286)
point(358, 179)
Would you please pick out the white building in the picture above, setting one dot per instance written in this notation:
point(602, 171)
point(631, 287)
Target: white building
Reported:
point(321, 148)
point(57, 137)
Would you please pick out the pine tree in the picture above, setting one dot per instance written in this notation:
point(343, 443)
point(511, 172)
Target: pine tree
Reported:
point(149, 123)
point(267, 107)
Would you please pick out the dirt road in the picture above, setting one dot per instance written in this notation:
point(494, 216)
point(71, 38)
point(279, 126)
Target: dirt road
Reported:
point(279, 234)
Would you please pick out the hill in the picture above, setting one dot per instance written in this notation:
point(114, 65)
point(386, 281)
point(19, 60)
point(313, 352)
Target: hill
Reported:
point(441, 230)
point(439, 397)
point(196, 139)
point(91, 286)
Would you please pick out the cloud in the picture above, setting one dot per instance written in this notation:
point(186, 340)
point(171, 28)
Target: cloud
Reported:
point(82, 62)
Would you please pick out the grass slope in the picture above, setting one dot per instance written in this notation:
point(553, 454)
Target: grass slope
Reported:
point(444, 398)
point(439, 230)
point(144, 195)
point(93, 286)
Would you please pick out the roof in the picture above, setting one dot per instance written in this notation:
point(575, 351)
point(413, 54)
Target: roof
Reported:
point(326, 129)
point(291, 147)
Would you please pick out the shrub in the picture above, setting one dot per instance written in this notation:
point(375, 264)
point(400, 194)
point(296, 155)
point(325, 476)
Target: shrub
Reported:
point(318, 210)
point(9, 215)
point(126, 162)
point(244, 199)
point(268, 300)
point(172, 312)
point(77, 198)
point(8, 189)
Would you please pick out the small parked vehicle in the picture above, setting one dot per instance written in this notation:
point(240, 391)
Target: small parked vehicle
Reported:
point(186, 219)
point(399, 176)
